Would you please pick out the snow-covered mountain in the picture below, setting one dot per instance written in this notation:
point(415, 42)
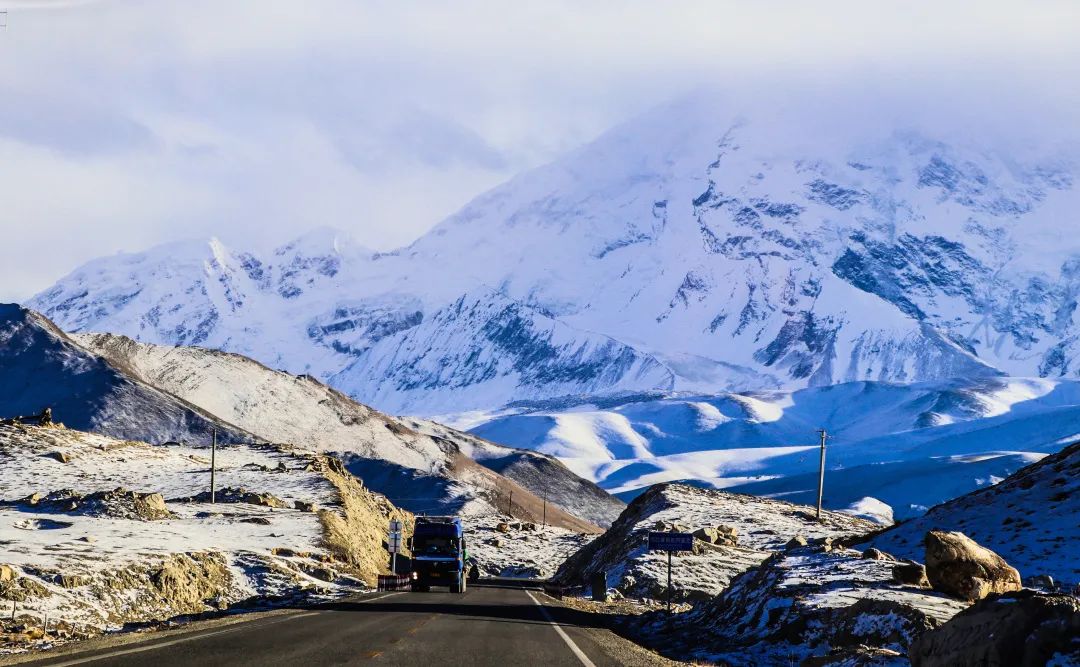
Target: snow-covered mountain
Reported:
point(894, 449)
point(692, 249)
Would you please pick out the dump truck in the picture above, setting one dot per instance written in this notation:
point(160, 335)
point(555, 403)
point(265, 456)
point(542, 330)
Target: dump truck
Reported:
point(438, 553)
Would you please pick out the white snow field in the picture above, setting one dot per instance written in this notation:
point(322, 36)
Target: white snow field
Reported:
point(524, 550)
point(894, 449)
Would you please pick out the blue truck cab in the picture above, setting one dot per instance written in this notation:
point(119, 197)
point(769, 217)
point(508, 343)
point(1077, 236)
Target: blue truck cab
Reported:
point(438, 553)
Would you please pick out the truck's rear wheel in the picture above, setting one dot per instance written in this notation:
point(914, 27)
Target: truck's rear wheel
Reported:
point(420, 588)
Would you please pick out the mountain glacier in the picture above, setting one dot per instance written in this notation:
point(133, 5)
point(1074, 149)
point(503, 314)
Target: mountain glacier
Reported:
point(690, 249)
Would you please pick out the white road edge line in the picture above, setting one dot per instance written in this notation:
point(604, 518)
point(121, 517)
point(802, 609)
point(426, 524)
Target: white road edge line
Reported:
point(381, 597)
point(562, 633)
point(181, 640)
point(239, 626)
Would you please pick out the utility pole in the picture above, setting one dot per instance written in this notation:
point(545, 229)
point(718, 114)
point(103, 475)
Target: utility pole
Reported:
point(545, 510)
point(213, 468)
point(510, 505)
point(821, 473)
point(669, 584)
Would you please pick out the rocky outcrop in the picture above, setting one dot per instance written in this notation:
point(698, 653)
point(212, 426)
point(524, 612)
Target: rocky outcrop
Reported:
point(1022, 629)
point(356, 535)
point(727, 536)
point(191, 582)
point(118, 503)
point(958, 566)
point(239, 495)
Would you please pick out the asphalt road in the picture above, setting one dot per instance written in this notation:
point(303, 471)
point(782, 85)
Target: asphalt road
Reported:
point(485, 626)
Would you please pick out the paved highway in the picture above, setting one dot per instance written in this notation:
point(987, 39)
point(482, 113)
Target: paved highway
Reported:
point(485, 626)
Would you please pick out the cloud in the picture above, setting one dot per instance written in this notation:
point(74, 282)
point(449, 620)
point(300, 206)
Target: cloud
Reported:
point(125, 123)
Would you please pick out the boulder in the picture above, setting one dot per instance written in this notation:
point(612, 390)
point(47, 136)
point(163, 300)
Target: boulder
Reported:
point(708, 535)
point(910, 573)
point(1044, 581)
point(877, 554)
point(303, 506)
point(1021, 629)
point(502, 527)
point(729, 535)
point(62, 457)
point(959, 566)
point(796, 542)
point(7, 573)
point(150, 506)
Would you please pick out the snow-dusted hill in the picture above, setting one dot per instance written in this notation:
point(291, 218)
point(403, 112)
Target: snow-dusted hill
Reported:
point(692, 248)
point(908, 446)
point(421, 466)
point(90, 556)
point(1030, 519)
point(42, 367)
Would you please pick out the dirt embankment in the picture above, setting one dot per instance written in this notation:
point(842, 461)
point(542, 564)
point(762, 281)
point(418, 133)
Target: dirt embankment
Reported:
point(357, 535)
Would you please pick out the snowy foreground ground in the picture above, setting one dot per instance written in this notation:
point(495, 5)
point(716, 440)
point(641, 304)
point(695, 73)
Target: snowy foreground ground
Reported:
point(92, 563)
point(789, 590)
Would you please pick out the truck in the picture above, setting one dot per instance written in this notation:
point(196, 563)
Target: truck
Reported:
point(438, 553)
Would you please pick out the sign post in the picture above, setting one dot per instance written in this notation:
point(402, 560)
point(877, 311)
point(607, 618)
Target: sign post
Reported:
point(393, 543)
point(670, 542)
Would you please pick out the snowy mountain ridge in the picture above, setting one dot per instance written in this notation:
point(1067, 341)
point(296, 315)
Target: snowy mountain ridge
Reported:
point(715, 253)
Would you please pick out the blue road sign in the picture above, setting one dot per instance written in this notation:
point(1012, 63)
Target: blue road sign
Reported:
point(671, 541)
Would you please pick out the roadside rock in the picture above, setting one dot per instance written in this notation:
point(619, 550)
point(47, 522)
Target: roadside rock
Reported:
point(303, 506)
point(877, 554)
point(796, 542)
point(910, 573)
point(959, 566)
point(191, 582)
point(1024, 628)
point(7, 573)
point(502, 527)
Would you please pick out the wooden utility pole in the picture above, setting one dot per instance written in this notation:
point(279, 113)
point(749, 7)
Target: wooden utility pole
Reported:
point(213, 468)
point(669, 584)
point(510, 505)
point(545, 510)
point(821, 473)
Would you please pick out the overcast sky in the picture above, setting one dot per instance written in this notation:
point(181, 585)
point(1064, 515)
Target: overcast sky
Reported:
point(129, 123)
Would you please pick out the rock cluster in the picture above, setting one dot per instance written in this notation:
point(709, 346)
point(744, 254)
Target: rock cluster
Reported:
point(722, 535)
